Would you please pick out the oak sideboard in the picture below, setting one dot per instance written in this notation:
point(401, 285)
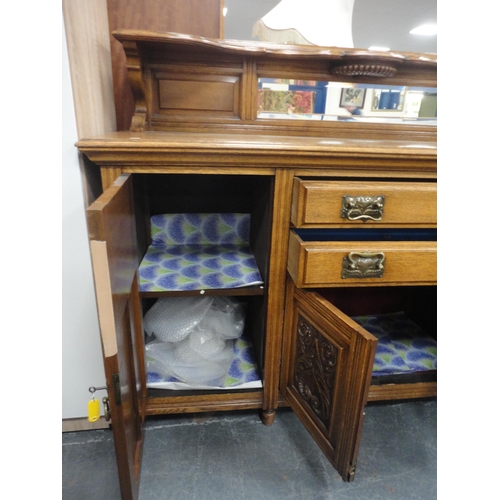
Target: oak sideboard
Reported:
point(342, 211)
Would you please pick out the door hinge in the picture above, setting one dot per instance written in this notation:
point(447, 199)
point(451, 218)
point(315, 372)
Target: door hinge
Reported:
point(352, 471)
point(117, 389)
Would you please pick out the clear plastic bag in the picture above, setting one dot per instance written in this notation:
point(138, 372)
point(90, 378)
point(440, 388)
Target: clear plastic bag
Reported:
point(179, 360)
point(198, 346)
point(172, 319)
point(225, 317)
point(204, 342)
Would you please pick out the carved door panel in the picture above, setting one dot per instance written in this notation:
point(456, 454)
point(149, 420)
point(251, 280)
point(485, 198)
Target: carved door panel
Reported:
point(115, 259)
point(328, 361)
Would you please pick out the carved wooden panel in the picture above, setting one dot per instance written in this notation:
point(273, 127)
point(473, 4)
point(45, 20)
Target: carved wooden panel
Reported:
point(315, 369)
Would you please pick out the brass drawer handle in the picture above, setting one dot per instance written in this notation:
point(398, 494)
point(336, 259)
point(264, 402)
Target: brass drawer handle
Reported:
point(363, 207)
point(363, 265)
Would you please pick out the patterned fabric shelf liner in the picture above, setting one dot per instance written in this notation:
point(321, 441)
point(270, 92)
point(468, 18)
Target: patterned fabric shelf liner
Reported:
point(199, 252)
point(403, 347)
point(242, 374)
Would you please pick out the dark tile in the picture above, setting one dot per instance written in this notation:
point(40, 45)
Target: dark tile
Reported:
point(89, 469)
point(233, 456)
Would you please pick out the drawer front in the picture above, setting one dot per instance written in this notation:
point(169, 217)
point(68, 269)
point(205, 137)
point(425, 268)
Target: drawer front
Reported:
point(351, 204)
point(349, 263)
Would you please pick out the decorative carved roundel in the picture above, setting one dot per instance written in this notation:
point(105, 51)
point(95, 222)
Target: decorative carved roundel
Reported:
point(365, 70)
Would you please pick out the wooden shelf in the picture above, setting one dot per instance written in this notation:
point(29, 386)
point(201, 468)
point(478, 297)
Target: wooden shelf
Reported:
point(227, 292)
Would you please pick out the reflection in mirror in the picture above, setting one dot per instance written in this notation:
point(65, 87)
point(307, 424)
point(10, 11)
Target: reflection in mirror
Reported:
point(331, 101)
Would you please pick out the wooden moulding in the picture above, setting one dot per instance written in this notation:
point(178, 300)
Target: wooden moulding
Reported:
point(201, 403)
point(168, 152)
point(402, 391)
point(190, 83)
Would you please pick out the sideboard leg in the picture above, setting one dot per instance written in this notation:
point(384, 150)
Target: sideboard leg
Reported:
point(268, 417)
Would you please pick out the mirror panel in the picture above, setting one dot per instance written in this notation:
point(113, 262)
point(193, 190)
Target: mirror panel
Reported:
point(342, 101)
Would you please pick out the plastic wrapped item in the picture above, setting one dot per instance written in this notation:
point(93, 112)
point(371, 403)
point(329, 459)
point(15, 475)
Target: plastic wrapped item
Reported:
point(225, 317)
point(180, 361)
point(194, 338)
point(242, 374)
point(186, 365)
point(204, 342)
point(172, 319)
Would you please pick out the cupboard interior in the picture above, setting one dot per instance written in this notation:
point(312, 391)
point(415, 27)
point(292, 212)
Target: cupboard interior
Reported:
point(156, 194)
point(418, 303)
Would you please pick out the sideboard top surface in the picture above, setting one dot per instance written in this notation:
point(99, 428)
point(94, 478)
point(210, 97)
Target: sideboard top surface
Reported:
point(170, 141)
point(151, 150)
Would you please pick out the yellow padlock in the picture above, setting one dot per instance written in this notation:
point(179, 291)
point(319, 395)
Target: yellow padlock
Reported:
point(94, 410)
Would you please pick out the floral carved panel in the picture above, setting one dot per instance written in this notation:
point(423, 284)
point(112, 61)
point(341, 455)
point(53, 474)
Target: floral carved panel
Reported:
point(315, 370)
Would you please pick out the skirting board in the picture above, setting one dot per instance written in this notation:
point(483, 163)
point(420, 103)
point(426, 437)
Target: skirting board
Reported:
point(83, 424)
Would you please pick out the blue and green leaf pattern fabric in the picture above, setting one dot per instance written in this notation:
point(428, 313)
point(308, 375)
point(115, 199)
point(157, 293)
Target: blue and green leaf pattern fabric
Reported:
point(197, 252)
point(403, 347)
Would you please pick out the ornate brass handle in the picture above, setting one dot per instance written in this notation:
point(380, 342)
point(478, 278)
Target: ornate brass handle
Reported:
point(363, 265)
point(363, 207)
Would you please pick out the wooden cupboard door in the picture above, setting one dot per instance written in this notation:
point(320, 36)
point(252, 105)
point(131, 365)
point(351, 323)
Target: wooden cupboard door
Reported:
point(115, 259)
point(328, 361)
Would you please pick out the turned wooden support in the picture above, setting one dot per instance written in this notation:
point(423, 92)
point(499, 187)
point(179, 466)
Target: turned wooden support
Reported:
point(268, 417)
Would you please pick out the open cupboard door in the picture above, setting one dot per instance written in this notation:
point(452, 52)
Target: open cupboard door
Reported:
point(115, 259)
point(328, 365)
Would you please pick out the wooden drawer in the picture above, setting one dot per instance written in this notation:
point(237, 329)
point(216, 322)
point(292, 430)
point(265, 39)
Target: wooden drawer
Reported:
point(370, 263)
point(324, 203)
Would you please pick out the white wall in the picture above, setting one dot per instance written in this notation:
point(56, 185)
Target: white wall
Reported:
point(82, 364)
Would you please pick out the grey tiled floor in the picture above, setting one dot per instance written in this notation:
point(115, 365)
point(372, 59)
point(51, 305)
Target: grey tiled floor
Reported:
point(234, 456)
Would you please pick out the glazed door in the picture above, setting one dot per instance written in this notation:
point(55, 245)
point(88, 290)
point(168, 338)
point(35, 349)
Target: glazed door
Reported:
point(115, 259)
point(328, 361)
